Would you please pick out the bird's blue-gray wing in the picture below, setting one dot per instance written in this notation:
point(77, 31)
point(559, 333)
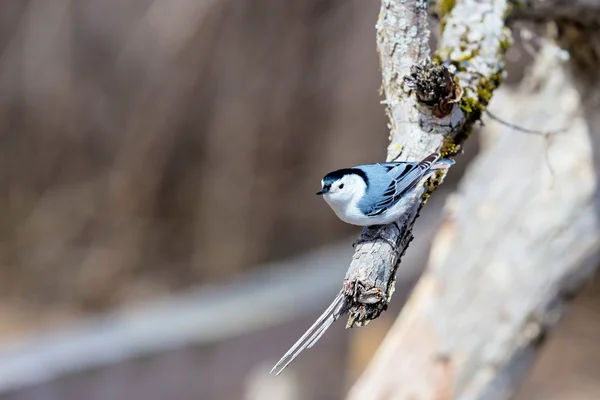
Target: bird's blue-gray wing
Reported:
point(405, 175)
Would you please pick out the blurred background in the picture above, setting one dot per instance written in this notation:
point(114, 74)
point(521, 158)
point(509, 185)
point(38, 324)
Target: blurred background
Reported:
point(159, 232)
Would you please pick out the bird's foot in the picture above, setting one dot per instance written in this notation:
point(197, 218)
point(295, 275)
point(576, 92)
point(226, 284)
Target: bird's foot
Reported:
point(389, 241)
point(360, 240)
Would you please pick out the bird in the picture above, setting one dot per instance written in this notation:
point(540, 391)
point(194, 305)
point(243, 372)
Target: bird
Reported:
point(379, 193)
point(364, 195)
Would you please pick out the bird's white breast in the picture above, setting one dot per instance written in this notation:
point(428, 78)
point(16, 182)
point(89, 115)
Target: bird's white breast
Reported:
point(350, 213)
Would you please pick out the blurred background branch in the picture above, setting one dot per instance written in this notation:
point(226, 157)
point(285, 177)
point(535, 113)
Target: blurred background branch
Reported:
point(585, 12)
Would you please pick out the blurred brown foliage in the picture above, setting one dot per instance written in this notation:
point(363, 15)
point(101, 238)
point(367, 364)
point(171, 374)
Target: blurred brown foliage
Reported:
point(148, 145)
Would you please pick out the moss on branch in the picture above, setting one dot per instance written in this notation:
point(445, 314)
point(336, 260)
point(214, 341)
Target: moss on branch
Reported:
point(464, 59)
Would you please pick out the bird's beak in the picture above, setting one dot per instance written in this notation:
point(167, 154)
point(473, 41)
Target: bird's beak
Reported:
point(322, 192)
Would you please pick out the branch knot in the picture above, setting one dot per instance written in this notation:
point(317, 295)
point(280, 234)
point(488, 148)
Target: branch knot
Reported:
point(434, 86)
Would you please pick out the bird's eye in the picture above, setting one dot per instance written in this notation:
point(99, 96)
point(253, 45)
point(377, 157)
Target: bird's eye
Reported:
point(341, 186)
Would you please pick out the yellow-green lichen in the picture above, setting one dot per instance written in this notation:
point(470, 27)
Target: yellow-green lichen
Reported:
point(475, 99)
point(431, 184)
point(505, 40)
point(443, 9)
point(449, 148)
point(505, 45)
point(462, 60)
point(436, 58)
point(518, 4)
point(469, 104)
point(476, 104)
point(465, 57)
point(486, 87)
point(442, 57)
point(512, 6)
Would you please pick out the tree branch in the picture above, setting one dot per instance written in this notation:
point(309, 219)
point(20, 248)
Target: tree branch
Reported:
point(472, 46)
point(518, 242)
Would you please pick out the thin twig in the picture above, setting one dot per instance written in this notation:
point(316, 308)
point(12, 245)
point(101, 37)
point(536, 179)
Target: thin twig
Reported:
point(524, 130)
point(547, 135)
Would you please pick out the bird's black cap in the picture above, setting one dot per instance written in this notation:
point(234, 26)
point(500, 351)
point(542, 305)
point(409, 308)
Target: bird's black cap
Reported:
point(335, 176)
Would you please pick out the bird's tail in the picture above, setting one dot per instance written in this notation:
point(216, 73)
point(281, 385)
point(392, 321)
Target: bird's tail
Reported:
point(433, 162)
point(444, 163)
point(314, 333)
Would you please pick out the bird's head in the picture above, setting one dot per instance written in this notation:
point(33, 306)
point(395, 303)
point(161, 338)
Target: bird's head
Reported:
point(343, 185)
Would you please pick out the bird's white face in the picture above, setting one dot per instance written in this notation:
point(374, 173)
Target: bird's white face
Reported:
point(350, 188)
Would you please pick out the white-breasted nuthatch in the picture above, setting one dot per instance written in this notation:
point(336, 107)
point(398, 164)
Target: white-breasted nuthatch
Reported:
point(376, 194)
point(365, 195)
